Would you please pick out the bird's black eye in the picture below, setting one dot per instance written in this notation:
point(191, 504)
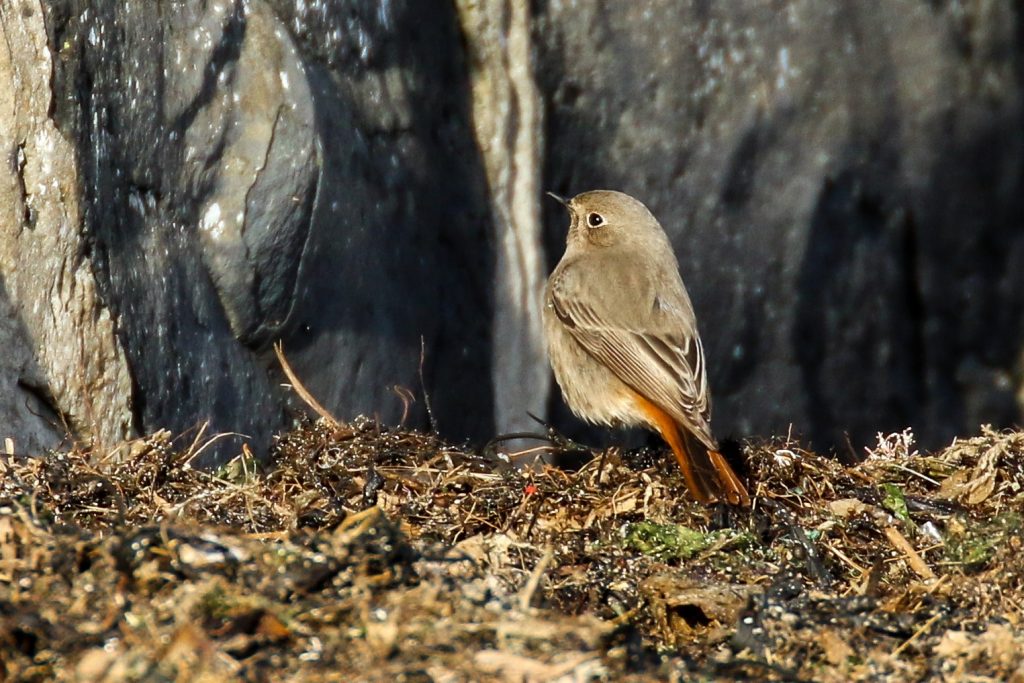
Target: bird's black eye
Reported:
point(595, 220)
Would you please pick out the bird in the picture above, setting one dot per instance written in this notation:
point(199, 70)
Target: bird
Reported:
point(622, 337)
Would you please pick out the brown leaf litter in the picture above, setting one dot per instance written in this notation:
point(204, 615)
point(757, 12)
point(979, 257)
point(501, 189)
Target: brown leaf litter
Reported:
point(360, 552)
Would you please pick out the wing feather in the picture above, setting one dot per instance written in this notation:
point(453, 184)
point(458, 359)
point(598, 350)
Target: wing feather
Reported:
point(664, 363)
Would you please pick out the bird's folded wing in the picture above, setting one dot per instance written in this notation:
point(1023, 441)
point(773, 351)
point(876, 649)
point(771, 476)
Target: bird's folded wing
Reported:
point(664, 364)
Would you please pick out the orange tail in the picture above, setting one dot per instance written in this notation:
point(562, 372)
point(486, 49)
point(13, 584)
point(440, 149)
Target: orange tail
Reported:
point(707, 473)
point(730, 485)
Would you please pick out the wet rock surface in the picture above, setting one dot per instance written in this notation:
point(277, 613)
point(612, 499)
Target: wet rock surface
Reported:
point(255, 172)
point(354, 178)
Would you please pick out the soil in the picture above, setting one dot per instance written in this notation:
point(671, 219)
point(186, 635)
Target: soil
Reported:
point(362, 552)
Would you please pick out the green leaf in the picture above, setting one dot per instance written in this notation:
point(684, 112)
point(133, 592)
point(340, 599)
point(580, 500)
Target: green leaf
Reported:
point(895, 502)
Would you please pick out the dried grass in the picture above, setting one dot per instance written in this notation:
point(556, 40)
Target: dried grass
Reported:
point(365, 553)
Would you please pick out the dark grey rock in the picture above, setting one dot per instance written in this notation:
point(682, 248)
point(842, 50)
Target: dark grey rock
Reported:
point(400, 255)
point(842, 182)
point(256, 172)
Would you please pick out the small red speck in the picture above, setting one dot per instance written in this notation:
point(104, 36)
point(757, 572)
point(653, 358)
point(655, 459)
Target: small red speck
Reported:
point(530, 489)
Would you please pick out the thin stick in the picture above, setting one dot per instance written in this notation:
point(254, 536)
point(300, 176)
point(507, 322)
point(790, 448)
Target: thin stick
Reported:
point(914, 472)
point(530, 451)
point(917, 634)
point(423, 386)
point(535, 576)
point(839, 553)
point(900, 542)
point(302, 391)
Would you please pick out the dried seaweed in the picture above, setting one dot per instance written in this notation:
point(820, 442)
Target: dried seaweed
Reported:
point(359, 552)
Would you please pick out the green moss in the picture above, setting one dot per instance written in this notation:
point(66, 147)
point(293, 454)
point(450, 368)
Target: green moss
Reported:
point(974, 545)
point(216, 603)
point(673, 541)
point(240, 470)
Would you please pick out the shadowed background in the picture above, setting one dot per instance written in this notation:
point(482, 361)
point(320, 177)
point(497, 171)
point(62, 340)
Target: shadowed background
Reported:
point(188, 182)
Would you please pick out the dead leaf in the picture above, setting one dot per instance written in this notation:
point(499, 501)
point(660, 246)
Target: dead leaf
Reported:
point(837, 650)
point(847, 507)
point(974, 486)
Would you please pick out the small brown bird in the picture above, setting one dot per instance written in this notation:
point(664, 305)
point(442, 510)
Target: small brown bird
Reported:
point(622, 337)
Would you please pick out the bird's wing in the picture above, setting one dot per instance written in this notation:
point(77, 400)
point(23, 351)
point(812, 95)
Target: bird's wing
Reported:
point(658, 354)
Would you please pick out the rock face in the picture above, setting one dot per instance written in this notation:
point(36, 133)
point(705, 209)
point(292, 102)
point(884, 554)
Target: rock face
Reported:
point(506, 118)
point(256, 172)
point(62, 366)
point(188, 182)
point(843, 184)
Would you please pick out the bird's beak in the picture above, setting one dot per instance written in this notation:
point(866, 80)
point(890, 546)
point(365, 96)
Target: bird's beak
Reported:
point(559, 198)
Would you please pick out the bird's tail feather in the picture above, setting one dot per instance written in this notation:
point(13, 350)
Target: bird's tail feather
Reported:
point(715, 473)
point(707, 473)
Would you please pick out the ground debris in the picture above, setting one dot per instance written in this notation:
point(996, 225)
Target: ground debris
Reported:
point(360, 552)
